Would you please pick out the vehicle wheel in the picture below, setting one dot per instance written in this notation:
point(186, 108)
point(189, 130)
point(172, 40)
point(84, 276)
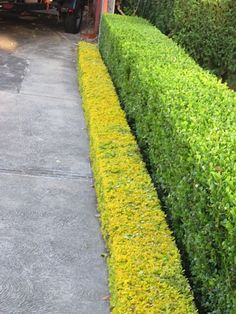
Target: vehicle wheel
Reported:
point(72, 22)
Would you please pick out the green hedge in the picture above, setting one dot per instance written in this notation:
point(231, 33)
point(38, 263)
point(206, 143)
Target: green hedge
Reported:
point(184, 120)
point(159, 12)
point(207, 29)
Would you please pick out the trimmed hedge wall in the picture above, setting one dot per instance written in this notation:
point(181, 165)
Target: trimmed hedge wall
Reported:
point(159, 12)
point(185, 123)
point(207, 29)
point(146, 276)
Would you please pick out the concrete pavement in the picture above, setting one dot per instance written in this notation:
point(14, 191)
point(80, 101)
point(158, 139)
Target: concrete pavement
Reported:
point(50, 239)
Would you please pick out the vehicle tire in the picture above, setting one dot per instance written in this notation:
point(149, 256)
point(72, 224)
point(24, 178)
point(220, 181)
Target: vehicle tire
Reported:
point(72, 22)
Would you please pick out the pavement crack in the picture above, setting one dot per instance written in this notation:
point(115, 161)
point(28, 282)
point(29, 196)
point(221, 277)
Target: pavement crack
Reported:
point(76, 98)
point(41, 172)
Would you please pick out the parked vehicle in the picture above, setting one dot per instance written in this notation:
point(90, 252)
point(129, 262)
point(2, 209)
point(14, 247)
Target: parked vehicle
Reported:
point(71, 11)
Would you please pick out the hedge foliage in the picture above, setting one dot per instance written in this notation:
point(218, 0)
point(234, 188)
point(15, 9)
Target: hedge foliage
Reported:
point(146, 275)
point(185, 123)
point(207, 29)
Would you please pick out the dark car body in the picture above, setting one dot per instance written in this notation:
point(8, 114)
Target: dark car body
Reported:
point(71, 11)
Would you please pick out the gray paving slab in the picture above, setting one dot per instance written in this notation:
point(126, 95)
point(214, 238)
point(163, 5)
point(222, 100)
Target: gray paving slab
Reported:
point(39, 80)
point(50, 246)
point(42, 132)
point(50, 240)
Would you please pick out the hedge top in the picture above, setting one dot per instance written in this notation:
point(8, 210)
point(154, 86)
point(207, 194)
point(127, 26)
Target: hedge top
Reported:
point(207, 29)
point(209, 104)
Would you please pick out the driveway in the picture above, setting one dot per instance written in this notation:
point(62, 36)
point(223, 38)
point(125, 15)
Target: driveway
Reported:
point(50, 242)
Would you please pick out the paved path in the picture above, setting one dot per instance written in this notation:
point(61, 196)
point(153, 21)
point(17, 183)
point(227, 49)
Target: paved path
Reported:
point(50, 242)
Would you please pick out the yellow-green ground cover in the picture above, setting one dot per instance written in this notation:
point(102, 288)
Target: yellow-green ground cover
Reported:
point(146, 275)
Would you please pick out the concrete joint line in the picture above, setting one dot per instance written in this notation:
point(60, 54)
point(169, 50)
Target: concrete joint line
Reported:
point(47, 96)
point(34, 172)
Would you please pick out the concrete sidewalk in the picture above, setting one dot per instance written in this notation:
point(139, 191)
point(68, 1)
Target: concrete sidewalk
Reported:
point(50, 239)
